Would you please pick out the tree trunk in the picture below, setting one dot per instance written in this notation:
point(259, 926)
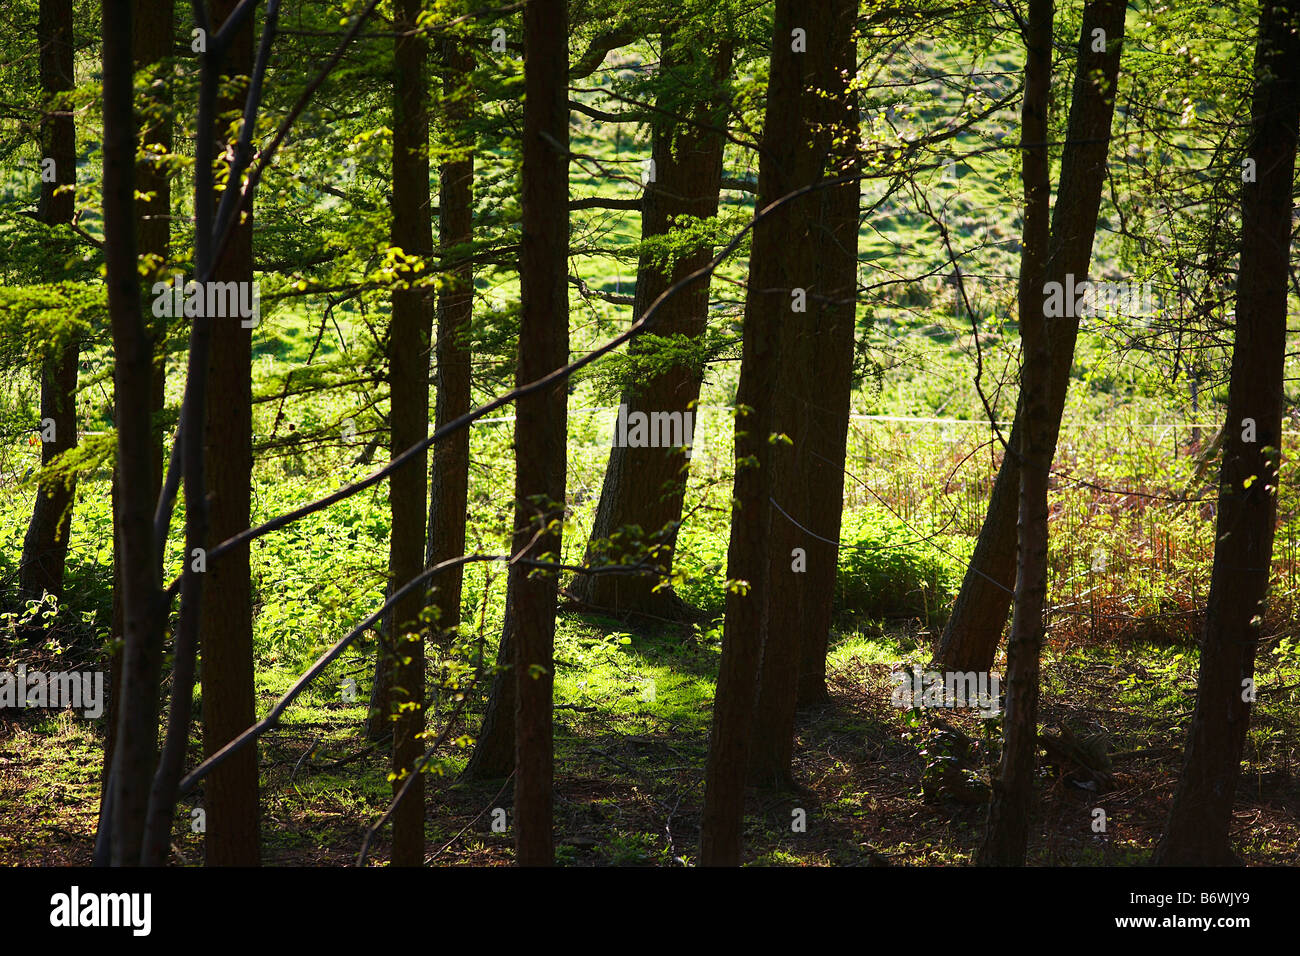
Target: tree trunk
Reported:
point(408, 362)
point(1006, 837)
point(970, 638)
point(641, 500)
point(151, 41)
point(813, 392)
point(133, 760)
point(1198, 830)
point(540, 425)
point(772, 276)
point(226, 617)
point(449, 491)
point(493, 757)
point(45, 546)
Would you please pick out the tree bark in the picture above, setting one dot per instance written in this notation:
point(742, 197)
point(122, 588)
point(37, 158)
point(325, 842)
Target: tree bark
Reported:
point(641, 500)
point(970, 638)
point(1198, 830)
point(814, 387)
point(133, 760)
point(151, 40)
point(449, 489)
point(226, 616)
point(768, 299)
point(408, 362)
point(45, 546)
point(1006, 837)
point(540, 424)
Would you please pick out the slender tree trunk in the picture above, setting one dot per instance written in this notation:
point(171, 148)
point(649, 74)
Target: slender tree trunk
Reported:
point(1006, 838)
point(226, 617)
point(645, 488)
point(151, 39)
point(772, 276)
point(122, 825)
point(540, 425)
point(408, 362)
point(1198, 830)
point(970, 638)
point(449, 491)
point(813, 388)
point(45, 547)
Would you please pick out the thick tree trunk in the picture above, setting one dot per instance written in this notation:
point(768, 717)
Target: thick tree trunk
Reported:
point(449, 490)
point(408, 362)
point(767, 307)
point(644, 488)
point(151, 41)
point(1006, 838)
point(226, 617)
point(122, 822)
point(1198, 830)
point(540, 425)
point(813, 391)
point(970, 639)
point(45, 546)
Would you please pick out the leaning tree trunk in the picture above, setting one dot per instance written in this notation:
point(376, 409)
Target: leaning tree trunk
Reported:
point(45, 546)
point(1006, 838)
point(970, 638)
point(645, 488)
point(540, 426)
point(814, 384)
point(226, 615)
point(767, 306)
point(408, 362)
point(1198, 830)
point(493, 757)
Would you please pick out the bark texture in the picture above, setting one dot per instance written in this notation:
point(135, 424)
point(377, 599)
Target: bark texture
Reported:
point(226, 609)
point(541, 428)
point(1198, 832)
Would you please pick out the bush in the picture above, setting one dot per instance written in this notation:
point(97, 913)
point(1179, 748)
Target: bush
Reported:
point(887, 570)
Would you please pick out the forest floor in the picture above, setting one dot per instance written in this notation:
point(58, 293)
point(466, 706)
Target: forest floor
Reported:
point(873, 781)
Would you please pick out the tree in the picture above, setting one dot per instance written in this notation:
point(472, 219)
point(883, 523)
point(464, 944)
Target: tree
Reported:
point(1197, 832)
point(1006, 837)
point(226, 618)
point(493, 757)
point(772, 276)
point(812, 398)
point(970, 638)
point(1044, 378)
point(641, 500)
point(151, 42)
point(408, 357)
point(122, 821)
point(45, 547)
point(540, 424)
point(449, 487)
